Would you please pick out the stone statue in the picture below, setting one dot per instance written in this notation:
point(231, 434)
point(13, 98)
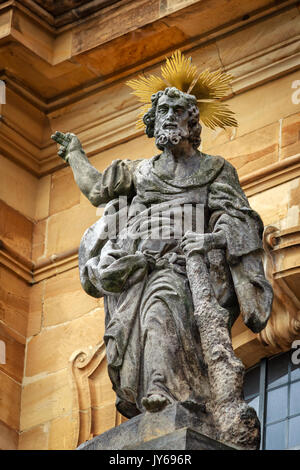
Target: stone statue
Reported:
point(170, 302)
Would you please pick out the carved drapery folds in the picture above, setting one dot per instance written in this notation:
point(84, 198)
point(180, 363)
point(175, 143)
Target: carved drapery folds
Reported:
point(282, 267)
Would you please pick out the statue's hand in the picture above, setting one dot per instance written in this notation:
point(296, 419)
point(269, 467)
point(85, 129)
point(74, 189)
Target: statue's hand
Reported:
point(68, 143)
point(193, 242)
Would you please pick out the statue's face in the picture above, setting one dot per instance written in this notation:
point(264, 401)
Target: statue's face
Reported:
point(171, 121)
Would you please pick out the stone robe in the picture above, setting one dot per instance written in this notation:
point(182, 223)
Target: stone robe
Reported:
point(152, 343)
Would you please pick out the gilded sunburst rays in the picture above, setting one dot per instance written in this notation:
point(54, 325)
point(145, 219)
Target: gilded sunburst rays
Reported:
point(179, 71)
point(207, 87)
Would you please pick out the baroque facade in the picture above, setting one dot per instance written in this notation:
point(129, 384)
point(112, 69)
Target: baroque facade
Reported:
point(64, 68)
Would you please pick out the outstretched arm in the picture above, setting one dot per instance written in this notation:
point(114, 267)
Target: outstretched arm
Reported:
point(85, 175)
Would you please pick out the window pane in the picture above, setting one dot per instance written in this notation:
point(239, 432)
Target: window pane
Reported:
point(277, 404)
point(278, 370)
point(251, 383)
point(295, 398)
point(275, 436)
point(294, 432)
point(295, 372)
point(254, 402)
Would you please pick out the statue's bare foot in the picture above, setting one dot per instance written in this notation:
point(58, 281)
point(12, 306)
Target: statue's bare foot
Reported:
point(155, 403)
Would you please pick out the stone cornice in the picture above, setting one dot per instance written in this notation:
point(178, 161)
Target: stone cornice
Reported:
point(248, 73)
point(86, 13)
point(121, 126)
point(107, 130)
point(55, 264)
point(271, 175)
point(16, 263)
point(284, 242)
point(35, 272)
point(129, 15)
point(66, 16)
point(17, 148)
point(263, 65)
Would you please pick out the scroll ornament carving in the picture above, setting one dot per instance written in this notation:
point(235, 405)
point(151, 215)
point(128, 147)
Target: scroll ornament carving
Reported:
point(87, 368)
point(283, 326)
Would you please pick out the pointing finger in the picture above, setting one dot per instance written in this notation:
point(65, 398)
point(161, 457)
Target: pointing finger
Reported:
point(60, 134)
point(58, 139)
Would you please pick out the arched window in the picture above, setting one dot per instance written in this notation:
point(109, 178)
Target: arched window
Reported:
point(272, 387)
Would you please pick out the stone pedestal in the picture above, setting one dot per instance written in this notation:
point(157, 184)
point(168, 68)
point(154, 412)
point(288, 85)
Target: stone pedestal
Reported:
point(181, 426)
point(181, 439)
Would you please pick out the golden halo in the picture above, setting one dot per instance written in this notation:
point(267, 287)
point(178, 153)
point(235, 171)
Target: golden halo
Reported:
point(207, 87)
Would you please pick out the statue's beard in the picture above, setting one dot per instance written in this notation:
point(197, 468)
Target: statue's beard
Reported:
point(169, 137)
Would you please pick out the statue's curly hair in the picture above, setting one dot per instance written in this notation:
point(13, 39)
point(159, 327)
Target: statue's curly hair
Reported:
point(194, 125)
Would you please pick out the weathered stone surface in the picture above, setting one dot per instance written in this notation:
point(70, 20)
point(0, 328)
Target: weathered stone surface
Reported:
point(10, 401)
point(61, 433)
point(26, 69)
point(290, 142)
point(35, 438)
point(20, 193)
point(15, 229)
point(104, 416)
point(277, 205)
point(14, 352)
point(64, 299)
point(43, 197)
point(36, 298)
point(148, 426)
point(64, 192)
point(63, 339)
point(269, 109)
point(252, 151)
point(46, 398)
point(105, 59)
point(181, 439)
point(276, 29)
point(38, 240)
point(8, 437)
point(65, 227)
point(137, 148)
point(234, 419)
point(14, 301)
point(172, 298)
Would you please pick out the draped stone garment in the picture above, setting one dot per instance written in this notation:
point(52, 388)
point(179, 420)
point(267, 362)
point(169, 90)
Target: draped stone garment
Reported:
point(151, 340)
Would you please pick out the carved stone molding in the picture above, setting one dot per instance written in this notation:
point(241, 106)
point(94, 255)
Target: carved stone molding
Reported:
point(87, 367)
point(64, 12)
point(35, 272)
point(72, 81)
point(15, 262)
point(284, 324)
point(55, 264)
point(271, 175)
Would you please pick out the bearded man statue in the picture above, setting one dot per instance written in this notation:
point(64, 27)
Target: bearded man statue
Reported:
point(154, 348)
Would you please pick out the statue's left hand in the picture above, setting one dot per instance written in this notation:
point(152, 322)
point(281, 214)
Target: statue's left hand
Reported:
point(193, 242)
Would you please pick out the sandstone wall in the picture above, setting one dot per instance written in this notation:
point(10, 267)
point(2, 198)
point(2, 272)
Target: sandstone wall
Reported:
point(45, 316)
